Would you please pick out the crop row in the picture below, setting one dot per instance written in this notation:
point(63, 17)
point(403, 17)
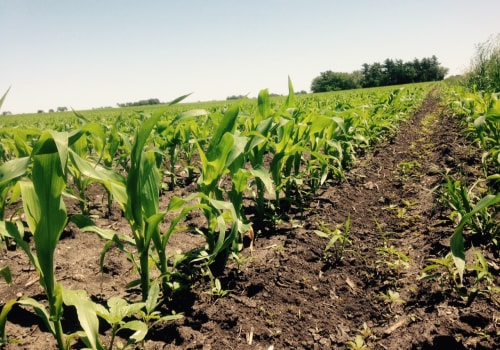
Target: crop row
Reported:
point(473, 202)
point(273, 154)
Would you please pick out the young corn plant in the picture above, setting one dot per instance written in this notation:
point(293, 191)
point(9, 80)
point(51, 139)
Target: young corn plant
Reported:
point(177, 138)
point(80, 146)
point(476, 214)
point(143, 187)
point(284, 150)
point(224, 149)
point(457, 239)
point(46, 217)
point(259, 129)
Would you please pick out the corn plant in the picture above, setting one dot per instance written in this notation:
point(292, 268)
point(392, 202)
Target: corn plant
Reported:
point(177, 138)
point(80, 146)
point(457, 239)
point(46, 217)
point(142, 208)
point(259, 128)
point(224, 148)
point(461, 201)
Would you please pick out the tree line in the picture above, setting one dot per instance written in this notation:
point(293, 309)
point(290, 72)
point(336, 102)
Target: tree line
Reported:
point(150, 101)
point(390, 72)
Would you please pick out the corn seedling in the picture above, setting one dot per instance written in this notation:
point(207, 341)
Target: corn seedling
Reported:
point(457, 239)
point(46, 217)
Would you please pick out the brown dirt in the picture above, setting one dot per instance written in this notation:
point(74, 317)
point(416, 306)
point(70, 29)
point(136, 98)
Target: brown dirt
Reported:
point(288, 295)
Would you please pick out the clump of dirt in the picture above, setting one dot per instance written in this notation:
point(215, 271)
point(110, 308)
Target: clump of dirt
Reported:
point(289, 294)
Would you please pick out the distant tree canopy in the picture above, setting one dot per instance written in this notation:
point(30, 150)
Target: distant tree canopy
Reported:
point(333, 81)
point(151, 101)
point(235, 97)
point(391, 72)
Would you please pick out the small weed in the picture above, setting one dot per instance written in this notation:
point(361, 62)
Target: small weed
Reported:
point(335, 248)
point(409, 167)
point(394, 259)
point(359, 343)
point(392, 297)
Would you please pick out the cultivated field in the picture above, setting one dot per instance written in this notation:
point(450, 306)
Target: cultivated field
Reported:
point(363, 219)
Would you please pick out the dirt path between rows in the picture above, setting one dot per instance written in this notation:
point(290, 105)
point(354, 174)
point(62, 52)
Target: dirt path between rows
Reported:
point(287, 295)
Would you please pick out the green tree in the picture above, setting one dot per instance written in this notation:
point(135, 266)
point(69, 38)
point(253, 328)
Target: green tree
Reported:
point(334, 81)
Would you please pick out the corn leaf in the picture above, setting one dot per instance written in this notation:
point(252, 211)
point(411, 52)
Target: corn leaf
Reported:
point(13, 169)
point(113, 181)
point(3, 97)
point(43, 205)
point(226, 126)
point(263, 105)
point(3, 319)
point(5, 273)
point(193, 113)
point(13, 230)
point(40, 310)
point(457, 240)
point(262, 173)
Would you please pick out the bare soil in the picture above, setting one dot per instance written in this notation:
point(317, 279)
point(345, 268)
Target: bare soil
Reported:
point(288, 295)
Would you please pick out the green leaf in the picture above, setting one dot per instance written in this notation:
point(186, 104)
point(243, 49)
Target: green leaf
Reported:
point(45, 211)
point(5, 273)
point(113, 181)
point(178, 99)
point(152, 300)
point(290, 100)
point(3, 319)
point(140, 330)
point(151, 183)
point(13, 169)
point(87, 315)
point(137, 186)
point(226, 126)
point(194, 113)
point(86, 224)
point(3, 97)
point(262, 173)
point(40, 311)
point(13, 230)
point(152, 224)
point(119, 309)
point(264, 104)
point(457, 240)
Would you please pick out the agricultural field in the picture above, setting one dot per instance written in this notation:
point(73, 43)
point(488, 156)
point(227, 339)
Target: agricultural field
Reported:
point(363, 219)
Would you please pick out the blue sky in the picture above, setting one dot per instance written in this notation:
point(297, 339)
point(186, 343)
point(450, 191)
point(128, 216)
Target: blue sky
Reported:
point(93, 53)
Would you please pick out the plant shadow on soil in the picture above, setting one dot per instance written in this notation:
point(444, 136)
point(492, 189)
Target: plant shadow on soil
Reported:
point(286, 295)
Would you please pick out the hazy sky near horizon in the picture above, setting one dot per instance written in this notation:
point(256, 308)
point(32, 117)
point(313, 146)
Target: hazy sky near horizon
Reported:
point(94, 53)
